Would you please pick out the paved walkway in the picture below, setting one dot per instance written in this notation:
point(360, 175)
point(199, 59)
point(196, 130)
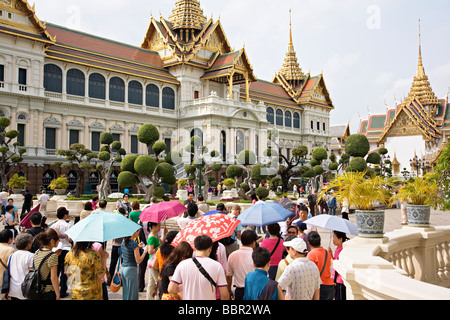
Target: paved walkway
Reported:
point(392, 222)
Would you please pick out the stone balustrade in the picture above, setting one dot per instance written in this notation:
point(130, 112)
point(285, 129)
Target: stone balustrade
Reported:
point(406, 264)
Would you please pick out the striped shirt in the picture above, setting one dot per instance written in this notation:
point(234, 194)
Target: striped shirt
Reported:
point(300, 279)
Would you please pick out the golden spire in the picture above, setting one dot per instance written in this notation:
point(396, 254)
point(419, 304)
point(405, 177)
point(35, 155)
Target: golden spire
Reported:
point(291, 68)
point(187, 14)
point(421, 88)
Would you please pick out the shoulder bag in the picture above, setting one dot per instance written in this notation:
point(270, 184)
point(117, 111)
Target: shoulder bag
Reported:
point(6, 277)
point(205, 273)
point(116, 281)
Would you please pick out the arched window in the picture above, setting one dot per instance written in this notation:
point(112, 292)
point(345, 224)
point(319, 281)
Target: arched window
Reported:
point(152, 96)
point(296, 120)
point(288, 119)
point(75, 82)
point(116, 89)
point(47, 177)
point(279, 117)
point(97, 86)
point(168, 99)
point(135, 92)
point(240, 141)
point(270, 116)
point(52, 78)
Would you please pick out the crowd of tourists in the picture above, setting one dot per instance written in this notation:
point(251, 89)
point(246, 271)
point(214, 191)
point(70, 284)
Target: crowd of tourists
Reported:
point(281, 261)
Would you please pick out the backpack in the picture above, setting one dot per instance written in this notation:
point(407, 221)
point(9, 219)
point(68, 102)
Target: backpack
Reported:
point(32, 286)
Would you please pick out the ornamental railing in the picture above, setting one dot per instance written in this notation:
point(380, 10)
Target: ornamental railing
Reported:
point(406, 264)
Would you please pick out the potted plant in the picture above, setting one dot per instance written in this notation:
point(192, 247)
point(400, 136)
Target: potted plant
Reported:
point(59, 185)
point(421, 194)
point(17, 183)
point(364, 193)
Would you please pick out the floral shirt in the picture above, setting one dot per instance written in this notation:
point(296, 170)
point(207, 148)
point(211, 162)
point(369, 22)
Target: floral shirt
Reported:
point(83, 272)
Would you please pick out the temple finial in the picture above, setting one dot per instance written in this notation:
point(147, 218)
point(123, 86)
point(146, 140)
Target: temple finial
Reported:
point(290, 28)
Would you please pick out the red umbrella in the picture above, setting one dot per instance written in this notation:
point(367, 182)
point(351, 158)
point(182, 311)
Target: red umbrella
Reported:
point(162, 211)
point(25, 222)
point(217, 226)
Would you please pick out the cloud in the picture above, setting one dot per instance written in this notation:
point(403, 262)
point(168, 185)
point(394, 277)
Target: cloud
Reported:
point(384, 78)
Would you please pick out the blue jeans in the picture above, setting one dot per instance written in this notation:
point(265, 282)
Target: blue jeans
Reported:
point(333, 211)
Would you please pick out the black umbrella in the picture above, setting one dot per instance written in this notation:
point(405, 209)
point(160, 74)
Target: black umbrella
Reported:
point(289, 205)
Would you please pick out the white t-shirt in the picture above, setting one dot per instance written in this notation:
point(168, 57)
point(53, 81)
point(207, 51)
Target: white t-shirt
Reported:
point(195, 284)
point(62, 226)
point(183, 222)
point(44, 198)
point(21, 262)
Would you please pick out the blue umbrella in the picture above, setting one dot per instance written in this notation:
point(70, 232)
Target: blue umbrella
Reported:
point(211, 212)
point(333, 223)
point(101, 227)
point(263, 214)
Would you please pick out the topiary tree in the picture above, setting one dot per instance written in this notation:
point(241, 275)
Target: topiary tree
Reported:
point(11, 154)
point(357, 145)
point(110, 152)
point(78, 157)
point(318, 155)
point(234, 172)
point(262, 192)
point(148, 171)
point(357, 164)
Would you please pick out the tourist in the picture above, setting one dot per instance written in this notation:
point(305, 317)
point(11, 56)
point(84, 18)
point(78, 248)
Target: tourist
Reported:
point(115, 250)
point(153, 200)
point(303, 216)
point(323, 260)
point(6, 239)
point(10, 202)
point(27, 204)
point(404, 213)
point(101, 249)
point(48, 241)
point(196, 285)
point(153, 243)
point(203, 207)
point(312, 201)
point(340, 291)
point(345, 208)
point(85, 268)
point(36, 228)
point(101, 207)
point(332, 203)
point(286, 258)
point(222, 208)
point(274, 244)
point(21, 262)
point(87, 210)
point(258, 286)
point(292, 230)
point(181, 252)
point(129, 269)
point(94, 202)
point(192, 210)
point(190, 199)
point(62, 225)
point(163, 252)
point(124, 203)
point(240, 263)
point(8, 220)
point(231, 243)
point(135, 211)
point(302, 229)
point(43, 200)
point(301, 278)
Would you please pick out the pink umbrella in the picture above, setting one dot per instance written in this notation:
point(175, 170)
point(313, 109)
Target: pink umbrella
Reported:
point(162, 211)
point(217, 226)
point(25, 222)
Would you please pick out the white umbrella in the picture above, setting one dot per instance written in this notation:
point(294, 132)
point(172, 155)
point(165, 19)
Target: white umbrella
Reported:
point(116, 195)
point(333, 223)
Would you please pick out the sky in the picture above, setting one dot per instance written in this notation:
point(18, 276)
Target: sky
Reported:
point(367, 50)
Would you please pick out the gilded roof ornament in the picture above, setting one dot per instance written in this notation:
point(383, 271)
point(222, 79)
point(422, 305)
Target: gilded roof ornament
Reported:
point(291, 69)
point(187, 14)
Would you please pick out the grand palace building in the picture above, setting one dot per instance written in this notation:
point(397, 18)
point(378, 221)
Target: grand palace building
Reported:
point(60, 86)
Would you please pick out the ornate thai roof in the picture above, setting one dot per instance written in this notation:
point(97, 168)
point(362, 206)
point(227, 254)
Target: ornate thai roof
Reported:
point(421, 88)
point(187, 14)
point(24, 13)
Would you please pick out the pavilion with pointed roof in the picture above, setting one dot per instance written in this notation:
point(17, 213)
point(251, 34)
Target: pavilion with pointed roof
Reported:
point(419, 124)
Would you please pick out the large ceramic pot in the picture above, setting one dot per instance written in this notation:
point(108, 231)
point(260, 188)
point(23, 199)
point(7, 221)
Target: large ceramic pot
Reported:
point(370, 224)
point(418, 216)
point(60, 192)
